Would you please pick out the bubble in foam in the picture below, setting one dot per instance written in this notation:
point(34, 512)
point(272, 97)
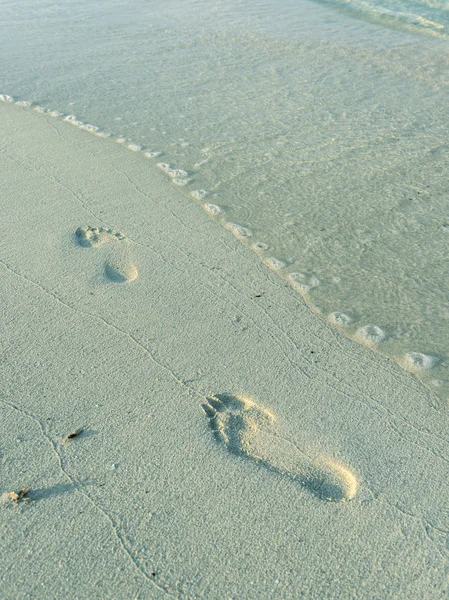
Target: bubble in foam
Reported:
point(177, 173)
point(73, 121)
point(371, 334)
point(181, 182)
point(275, 263)
point(23, 103)
point(134, 147)
point(240, 232)
point(164, 167)
point(55, 113)
point(417, 361)
point(339, 318)
point(5, 98)
point(303, 282)
point(89, 127)
point(213, 209)
point(40, 109)
point(152, 154)
point(198, 194)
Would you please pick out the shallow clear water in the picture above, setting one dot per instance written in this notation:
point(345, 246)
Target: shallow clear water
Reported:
point(322, 137)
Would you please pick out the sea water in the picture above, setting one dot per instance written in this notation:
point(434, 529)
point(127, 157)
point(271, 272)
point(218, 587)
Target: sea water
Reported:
point(317, 133)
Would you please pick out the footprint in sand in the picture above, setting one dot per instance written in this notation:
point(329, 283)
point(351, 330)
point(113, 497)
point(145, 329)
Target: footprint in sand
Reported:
point(247, 429)
point(118, 266)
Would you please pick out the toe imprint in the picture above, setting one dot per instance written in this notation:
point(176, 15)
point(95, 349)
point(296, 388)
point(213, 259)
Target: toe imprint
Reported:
point(97, 236)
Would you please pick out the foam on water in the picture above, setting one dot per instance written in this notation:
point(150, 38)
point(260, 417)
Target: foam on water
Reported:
point(177, 173)
point(417, 361)
point(339, 318)
point(213, 209)
point(276, 264)
point(371, 334)
point(239, 231)
point(89, 127)
point(198, 194)
point(302, 282)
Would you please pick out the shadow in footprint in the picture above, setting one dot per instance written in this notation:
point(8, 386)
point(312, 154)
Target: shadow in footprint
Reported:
point(249, 430)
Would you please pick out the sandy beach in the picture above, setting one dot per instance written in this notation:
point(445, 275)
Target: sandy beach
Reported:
point(231, 443)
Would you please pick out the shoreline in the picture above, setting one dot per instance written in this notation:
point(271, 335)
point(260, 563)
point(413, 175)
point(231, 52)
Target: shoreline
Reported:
point(425, 367)
point(129, 334)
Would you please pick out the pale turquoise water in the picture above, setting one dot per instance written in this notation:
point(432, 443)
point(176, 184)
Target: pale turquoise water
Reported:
point(319, 128)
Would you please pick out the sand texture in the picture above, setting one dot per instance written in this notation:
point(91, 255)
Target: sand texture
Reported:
point(186, 426)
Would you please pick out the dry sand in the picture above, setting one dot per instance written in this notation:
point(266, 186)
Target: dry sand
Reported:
point(235, 445)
